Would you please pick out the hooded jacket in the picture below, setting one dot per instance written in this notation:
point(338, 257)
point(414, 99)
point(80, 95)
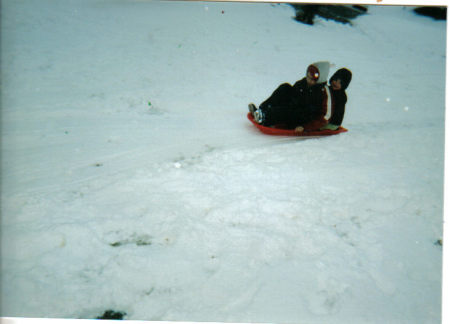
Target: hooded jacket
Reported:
point(333, 113)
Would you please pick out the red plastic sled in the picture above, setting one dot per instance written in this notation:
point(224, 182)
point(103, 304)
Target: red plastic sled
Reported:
point(292, 132)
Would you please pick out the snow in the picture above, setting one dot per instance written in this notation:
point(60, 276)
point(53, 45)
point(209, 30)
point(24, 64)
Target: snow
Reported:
point(132, 180)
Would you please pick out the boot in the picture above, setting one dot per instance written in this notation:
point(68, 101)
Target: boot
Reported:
point(252, 108)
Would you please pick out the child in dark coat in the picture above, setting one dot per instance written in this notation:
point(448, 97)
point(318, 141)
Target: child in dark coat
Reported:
point(331, 117)
point(295, 105)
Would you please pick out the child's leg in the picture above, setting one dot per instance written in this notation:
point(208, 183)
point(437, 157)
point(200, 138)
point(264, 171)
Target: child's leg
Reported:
point(298, 116)
point(280, 97)
point(275, 109)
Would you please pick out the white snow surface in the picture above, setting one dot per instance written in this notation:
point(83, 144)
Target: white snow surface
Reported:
point(131, 179)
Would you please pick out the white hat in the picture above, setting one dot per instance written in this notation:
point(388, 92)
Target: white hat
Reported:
point(319, 70)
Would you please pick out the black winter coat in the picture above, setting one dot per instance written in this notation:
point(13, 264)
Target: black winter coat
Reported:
point(311, 100)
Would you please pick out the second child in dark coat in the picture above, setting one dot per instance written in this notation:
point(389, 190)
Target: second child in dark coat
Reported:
point(332, 115)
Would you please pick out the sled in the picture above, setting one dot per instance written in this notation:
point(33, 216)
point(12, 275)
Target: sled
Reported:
point(279, 130)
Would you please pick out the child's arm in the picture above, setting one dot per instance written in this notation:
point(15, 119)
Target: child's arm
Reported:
point(339, 108)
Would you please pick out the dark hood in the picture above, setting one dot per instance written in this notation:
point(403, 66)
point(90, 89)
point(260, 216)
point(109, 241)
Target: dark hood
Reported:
point(344, 75)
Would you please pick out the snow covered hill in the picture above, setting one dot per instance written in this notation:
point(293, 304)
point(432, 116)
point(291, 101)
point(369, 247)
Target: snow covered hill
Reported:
point(131, 179)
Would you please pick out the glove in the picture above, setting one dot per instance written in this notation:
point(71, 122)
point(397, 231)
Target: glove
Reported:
point(299, 129)
point(330, 127)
